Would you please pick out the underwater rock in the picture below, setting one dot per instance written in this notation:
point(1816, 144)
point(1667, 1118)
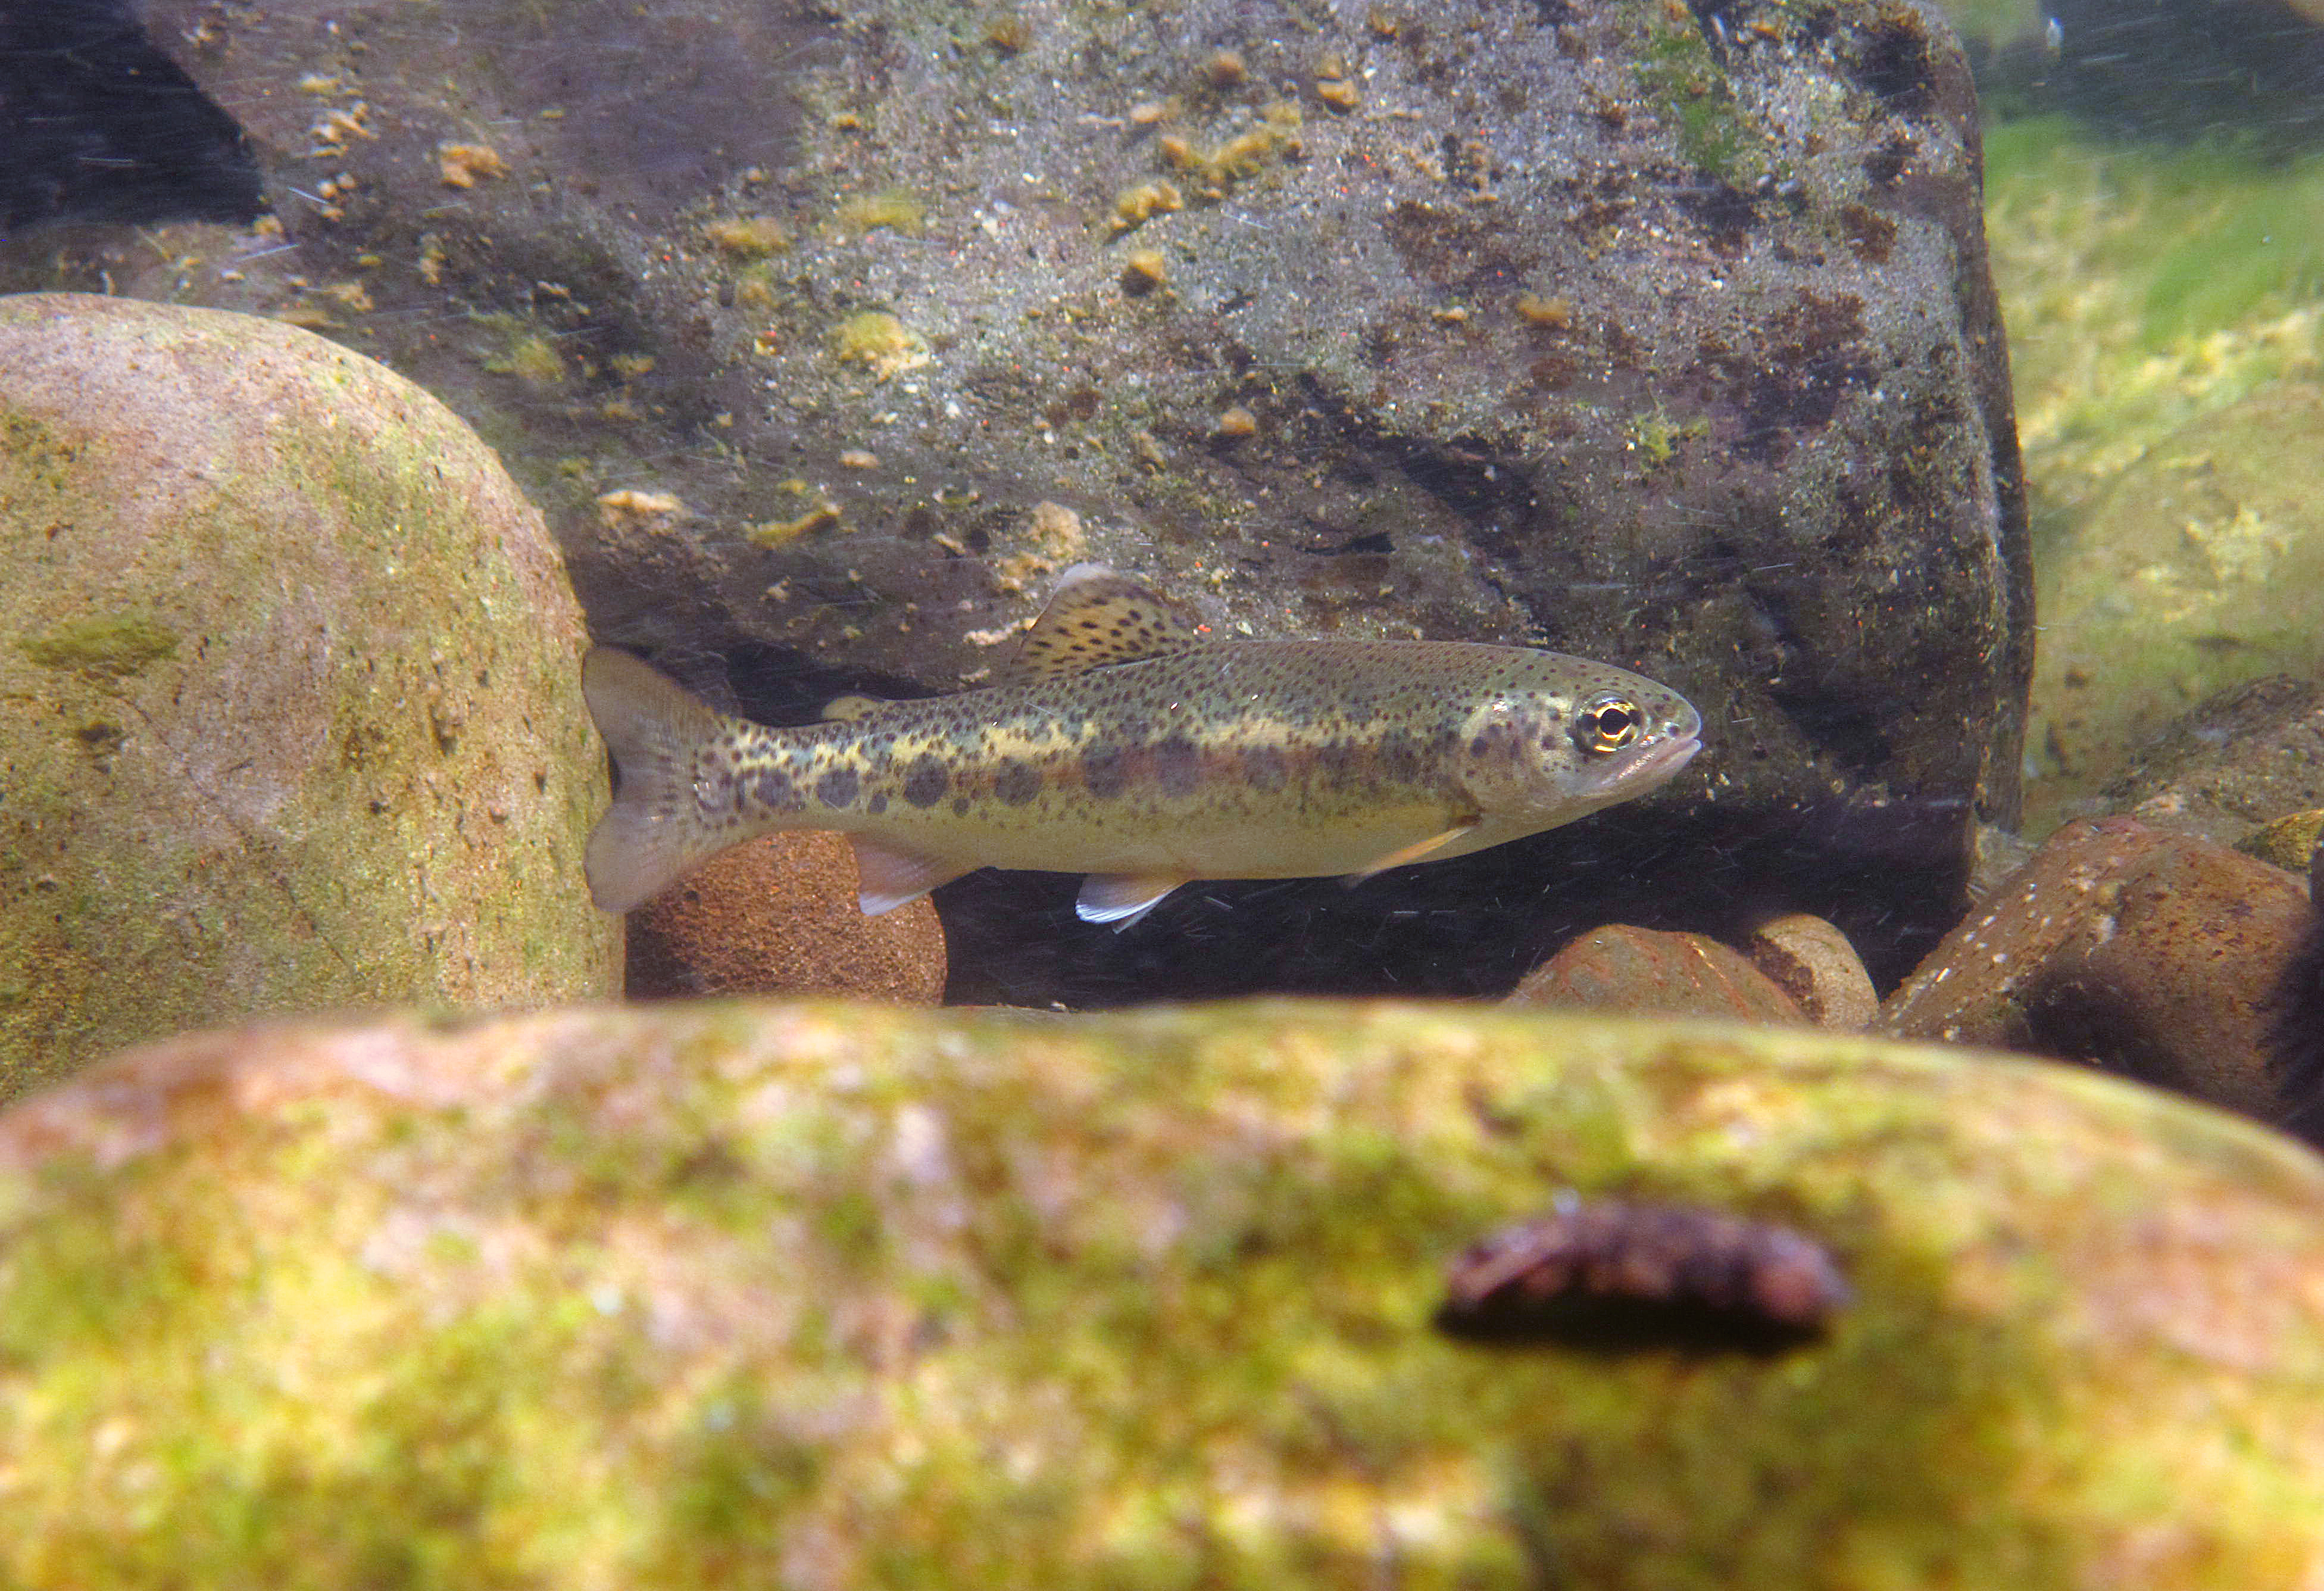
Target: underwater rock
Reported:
point(2202, 569)
point(778, 915)
point(2148, 953)
point(298, 720)
point(744, 1293)
point(1636, 970)
point(2243, 759)
point(1655, 334)
point(1813, 962)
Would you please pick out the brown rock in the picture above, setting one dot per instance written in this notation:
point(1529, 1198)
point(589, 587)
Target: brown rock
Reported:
point(778, 916)
point(1812, 962)
point(2148, 953)
point(1637, 969)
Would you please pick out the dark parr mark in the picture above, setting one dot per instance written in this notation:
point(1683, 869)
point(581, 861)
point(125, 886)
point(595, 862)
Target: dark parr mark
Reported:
point(1016, 782)
point(927, 781)
point(1623, 1278)
point(1265, 769)
point(1178, 766)
point(877, 804)
point(837, 788)
point(773, 791)
point(1103, 773)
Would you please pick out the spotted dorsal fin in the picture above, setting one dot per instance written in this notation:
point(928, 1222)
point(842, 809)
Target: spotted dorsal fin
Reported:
point(1096, 617)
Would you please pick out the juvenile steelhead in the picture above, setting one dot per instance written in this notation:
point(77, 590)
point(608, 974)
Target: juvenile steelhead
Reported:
point(1126, 744)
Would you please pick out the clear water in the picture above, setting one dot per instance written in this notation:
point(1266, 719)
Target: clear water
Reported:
point(2154, 210)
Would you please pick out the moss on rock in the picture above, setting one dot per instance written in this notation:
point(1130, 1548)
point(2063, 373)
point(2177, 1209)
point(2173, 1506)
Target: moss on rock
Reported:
point(825, 1295)
point(304, 728)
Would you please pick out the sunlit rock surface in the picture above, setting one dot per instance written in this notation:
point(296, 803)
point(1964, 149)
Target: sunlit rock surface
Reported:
point(832, 1296)
point(295, 717)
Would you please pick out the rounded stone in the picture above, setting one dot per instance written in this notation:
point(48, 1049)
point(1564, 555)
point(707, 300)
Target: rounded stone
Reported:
point(778, 916)
point(727, 1293)
point(1641, 970)
point(2149, 953)
point(295, 719)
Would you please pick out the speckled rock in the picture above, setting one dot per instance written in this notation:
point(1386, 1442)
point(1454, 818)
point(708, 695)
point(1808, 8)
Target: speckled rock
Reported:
point(778, 915)
point(2243, 758)
point(1812, 962)
point(296, 719)
point(1655, 334)
point(2147, 952)
point(1620, 969)
point(735, 1294)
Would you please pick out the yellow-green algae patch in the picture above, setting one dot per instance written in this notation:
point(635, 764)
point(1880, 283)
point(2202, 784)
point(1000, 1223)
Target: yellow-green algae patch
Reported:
point(754, 1294)
point(112, 647)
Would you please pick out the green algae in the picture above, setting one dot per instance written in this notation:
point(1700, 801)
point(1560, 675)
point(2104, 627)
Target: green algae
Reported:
point(114, 646)
point(1685, 82)
point(2144, 287)
point(706, 1295)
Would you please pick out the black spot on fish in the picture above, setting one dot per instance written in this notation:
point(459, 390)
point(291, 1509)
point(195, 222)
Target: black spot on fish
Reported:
point(774, 790)
point(1178, 766)
point(837, 788)
point(960, 806)
point(1103, 771)
point(877, 804)
point(1016, 782)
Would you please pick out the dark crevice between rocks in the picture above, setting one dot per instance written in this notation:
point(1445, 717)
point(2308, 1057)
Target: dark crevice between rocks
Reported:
point(98, 124)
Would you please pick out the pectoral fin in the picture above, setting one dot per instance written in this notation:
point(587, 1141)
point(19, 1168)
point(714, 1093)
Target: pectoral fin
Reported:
point(1121, 898)
point(1419, 851)
point(886, 877)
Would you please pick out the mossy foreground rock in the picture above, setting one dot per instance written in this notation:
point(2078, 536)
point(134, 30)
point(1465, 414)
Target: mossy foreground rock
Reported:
point(829, 1296)
point(295, 720)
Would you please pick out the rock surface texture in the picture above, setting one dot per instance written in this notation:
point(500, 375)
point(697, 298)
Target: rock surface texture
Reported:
point(1654, 333)
point(833, 1296)
point(2149, 953)
point(778, 916)
point(295, 717)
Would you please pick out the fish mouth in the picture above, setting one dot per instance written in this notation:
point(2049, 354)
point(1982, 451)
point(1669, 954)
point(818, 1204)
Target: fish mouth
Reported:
point(1649, 766)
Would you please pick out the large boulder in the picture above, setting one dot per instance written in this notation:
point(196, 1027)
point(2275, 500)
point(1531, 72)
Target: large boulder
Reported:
point(1654, 333)
point(831, 1296)
point(297, 720)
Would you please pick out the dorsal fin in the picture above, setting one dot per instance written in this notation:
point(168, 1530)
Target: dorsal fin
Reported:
point(1095, 618)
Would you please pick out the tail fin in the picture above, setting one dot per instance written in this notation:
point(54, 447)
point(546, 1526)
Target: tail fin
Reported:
point(651, 835)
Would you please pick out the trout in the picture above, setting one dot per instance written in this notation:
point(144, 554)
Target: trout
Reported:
point(1125, 743)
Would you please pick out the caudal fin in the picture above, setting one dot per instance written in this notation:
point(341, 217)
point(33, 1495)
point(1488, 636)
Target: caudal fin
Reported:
point(651, 835)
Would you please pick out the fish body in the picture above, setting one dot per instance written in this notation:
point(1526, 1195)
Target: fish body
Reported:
point(1136, 751)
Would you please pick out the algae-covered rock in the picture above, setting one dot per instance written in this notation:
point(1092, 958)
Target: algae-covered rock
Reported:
point(2201, 570)
point(829, 1296)
point(295, 713)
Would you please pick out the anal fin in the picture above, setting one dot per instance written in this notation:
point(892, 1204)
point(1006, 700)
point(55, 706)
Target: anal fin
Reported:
point(1122, 898)
point(1419, 851)
point(887, 876)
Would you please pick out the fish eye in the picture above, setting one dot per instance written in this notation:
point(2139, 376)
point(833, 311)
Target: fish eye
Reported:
point(1608, 724)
